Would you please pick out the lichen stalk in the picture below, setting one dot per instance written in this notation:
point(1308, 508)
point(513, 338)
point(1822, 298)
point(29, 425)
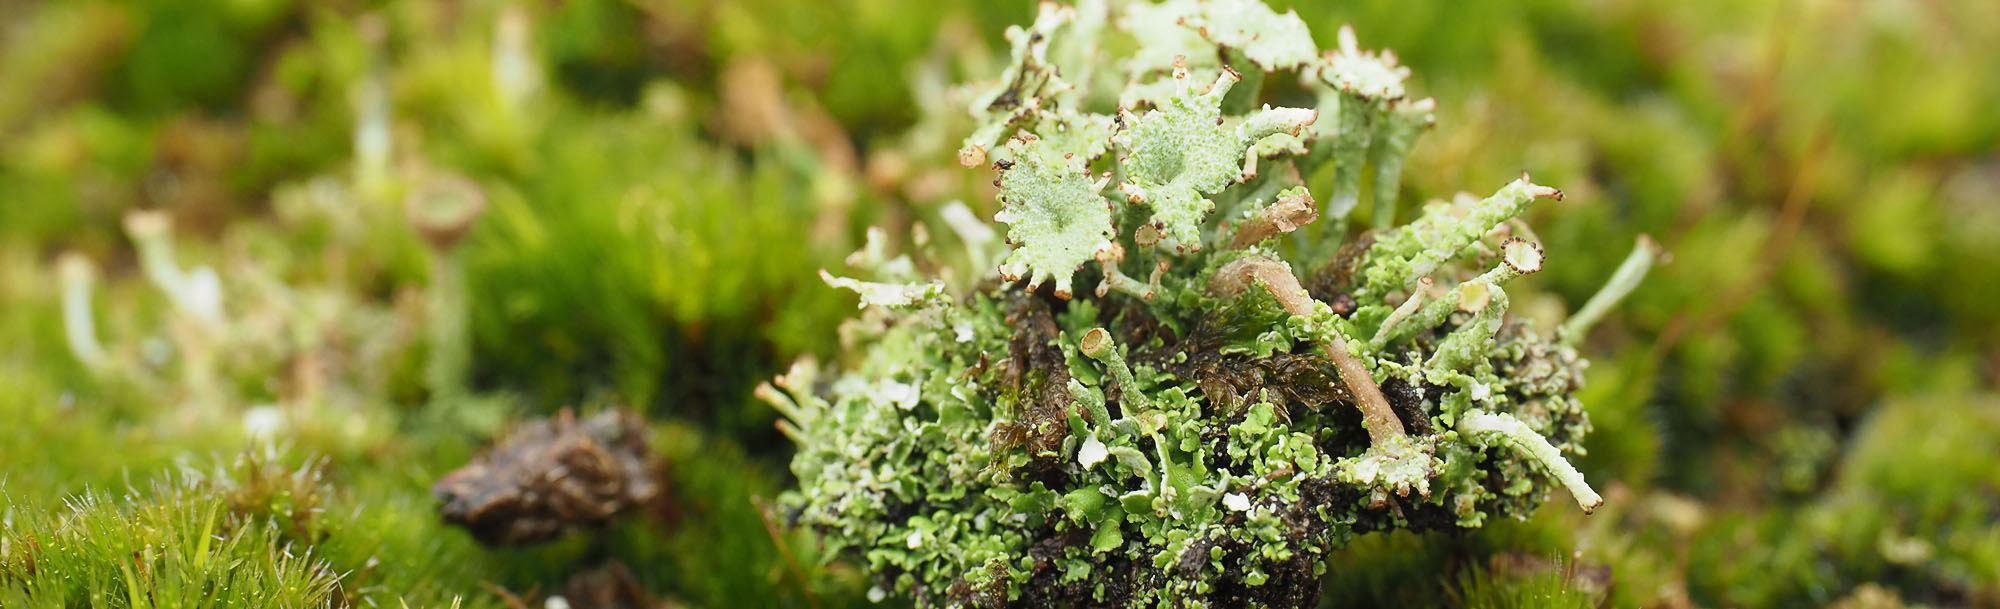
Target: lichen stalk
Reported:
point(1115, 280)
point(1519, 257)
point(445, 308)
point(1411, 304)
point(1487, 427)
point(77, 275)
point(443, 210)
point(1403, 122)
point(1645, 253)
point(1097, 344)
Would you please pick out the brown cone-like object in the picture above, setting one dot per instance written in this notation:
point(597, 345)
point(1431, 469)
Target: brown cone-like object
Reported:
point(552, 477)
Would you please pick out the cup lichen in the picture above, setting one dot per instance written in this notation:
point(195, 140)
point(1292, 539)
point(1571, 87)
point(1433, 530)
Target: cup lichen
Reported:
point(1208, 436)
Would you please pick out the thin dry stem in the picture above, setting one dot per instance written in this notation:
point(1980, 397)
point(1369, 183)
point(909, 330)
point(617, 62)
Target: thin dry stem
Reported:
point(1284, 216)
point(1274, 277)
point(791, 563)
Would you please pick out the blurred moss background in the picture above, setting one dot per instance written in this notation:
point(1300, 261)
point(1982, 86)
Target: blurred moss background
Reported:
point(1801, 409)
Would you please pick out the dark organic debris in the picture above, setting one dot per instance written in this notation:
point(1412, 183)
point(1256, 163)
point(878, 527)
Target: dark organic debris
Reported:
point(610, 587)
point(1036, 370)
point(551, 477)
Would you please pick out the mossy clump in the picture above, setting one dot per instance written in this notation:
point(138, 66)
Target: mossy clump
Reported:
point(1205, 431)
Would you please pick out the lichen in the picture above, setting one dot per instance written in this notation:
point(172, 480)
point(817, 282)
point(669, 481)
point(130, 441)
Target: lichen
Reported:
point(1053, 211)
point(1178, 154)
point(1208, 435)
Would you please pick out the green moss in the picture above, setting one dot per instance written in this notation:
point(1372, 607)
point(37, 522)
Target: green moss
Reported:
point(247, 532)
point(1931, 536)
point(1724, 397)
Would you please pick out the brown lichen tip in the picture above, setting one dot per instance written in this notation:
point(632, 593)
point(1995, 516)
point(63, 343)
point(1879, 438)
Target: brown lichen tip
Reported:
point(1540, 191)
point(552, 477)
point(444, 207)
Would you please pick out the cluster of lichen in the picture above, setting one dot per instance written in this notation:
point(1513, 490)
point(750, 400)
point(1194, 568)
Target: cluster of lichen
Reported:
point(1208, 433)
point(1798, 411)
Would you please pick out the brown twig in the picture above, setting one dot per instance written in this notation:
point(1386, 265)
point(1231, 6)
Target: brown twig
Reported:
point(1274, 277)
point(805, 586)
point(512, 601)
point(1284, 216)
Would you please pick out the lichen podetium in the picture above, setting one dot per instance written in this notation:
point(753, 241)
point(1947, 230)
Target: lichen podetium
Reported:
point(1205, 430)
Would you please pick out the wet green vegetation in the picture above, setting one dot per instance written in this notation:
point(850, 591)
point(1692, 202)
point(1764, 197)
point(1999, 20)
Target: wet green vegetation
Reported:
point(1797, 407)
